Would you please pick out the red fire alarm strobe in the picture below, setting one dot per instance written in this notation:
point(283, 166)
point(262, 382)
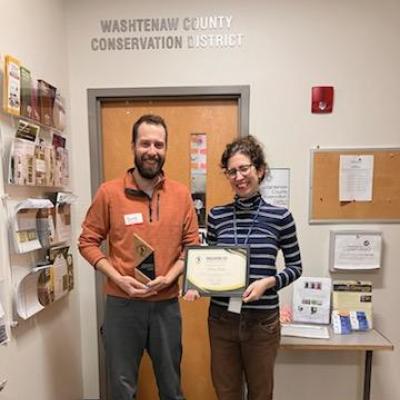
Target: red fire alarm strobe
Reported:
point(322, 99)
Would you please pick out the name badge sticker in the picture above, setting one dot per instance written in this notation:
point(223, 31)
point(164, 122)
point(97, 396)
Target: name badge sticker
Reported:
point(133, 219)
point(235, 305)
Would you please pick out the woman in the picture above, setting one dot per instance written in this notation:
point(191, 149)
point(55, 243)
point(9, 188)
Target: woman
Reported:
point(245, 337)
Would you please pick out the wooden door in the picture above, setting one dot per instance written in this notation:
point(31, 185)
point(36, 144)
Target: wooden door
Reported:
point(220, 121)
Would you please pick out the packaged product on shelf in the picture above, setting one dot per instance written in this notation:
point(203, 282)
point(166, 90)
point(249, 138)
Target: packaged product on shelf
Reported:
point(26, 91)
point(58, 141)
point(59, 112)
point(47, 94)
point(56, 280)
point(45, 227)
point(27, 130)
point(35, 114)
point(24, 223)
point(62, 216)
point(21, 167)
point(65, 168)
point(12, 86)
point(44, 164)
point(40, 165)
point(26, 234)
point(61, 173)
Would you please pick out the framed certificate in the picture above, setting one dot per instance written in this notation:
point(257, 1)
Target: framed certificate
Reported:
point(355, 250)
point(216, 270)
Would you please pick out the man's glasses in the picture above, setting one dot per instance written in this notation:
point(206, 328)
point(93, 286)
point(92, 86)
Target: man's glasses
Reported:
point(243, 169)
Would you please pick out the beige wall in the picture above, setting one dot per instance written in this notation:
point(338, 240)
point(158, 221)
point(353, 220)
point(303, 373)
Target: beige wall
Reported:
point(43, 359)
point(288, 46)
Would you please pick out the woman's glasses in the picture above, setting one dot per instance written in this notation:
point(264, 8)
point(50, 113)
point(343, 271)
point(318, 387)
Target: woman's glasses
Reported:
point(243, 169)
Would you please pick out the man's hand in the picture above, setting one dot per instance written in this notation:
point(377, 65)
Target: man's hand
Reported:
point(134, 288)
point(256, 289)
point(131, 286)
point(159, 283)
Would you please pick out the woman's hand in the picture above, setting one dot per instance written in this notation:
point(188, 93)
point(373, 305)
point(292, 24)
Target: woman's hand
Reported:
point(191, 295)
point(256, 289)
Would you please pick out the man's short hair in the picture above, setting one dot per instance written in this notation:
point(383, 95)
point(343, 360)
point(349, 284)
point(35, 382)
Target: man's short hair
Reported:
point(151, 119)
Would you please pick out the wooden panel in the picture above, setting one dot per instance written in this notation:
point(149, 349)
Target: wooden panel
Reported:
point(219, 120)
point(385, 204)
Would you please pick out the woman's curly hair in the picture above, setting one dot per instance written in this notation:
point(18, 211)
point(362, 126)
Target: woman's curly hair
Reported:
point(249, 147)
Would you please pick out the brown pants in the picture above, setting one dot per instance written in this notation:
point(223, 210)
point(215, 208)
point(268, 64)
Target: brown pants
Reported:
point(245, 343)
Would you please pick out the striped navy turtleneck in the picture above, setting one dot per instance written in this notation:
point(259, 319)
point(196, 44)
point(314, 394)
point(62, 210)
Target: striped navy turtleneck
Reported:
point(265, 229)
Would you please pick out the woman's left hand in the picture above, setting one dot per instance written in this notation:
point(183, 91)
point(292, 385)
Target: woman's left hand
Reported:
point(191, 295)
point(256, 289)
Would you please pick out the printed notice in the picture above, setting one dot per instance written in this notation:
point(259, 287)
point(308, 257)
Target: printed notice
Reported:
point(275, 187)
point(355, 180)
point(357, 251)
point(311, 300)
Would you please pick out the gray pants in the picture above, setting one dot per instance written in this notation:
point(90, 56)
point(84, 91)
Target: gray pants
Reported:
point(130, 327)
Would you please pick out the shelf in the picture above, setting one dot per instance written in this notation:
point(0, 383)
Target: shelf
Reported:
point(35, 122)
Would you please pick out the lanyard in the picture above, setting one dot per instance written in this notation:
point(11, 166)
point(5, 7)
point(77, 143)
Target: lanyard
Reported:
point(246, 240)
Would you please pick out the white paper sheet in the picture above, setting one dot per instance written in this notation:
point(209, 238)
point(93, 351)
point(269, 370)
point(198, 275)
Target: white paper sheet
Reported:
point(274, 188)
point(60, 227)
point(312, 300)
point(307, 331)
point(27, 301)
point(33, 203)
point(357, 251)
point(355, 178)
point(66, 197)
point(21, 169)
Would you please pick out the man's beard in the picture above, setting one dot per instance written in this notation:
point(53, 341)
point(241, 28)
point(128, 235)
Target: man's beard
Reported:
point(149, 171)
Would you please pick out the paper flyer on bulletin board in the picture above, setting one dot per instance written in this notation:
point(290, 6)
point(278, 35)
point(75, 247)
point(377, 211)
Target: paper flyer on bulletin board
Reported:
point(356, 177)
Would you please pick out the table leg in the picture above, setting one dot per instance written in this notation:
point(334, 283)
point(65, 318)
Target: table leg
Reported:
point(367, 375)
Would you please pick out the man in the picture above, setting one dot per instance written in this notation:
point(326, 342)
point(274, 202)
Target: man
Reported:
point(141, 315)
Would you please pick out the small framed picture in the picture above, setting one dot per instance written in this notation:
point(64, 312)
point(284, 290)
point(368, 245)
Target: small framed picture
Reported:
point(355, 250)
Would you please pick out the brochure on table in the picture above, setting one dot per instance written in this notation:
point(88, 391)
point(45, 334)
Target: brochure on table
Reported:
point(352, 305)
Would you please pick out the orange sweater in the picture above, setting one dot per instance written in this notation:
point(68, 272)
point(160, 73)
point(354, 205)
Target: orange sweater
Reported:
point(169, 223)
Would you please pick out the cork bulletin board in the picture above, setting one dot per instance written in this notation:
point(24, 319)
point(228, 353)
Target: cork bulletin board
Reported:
point(325, 206)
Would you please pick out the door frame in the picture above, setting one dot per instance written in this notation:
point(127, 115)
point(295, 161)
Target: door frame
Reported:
point(96, 97)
